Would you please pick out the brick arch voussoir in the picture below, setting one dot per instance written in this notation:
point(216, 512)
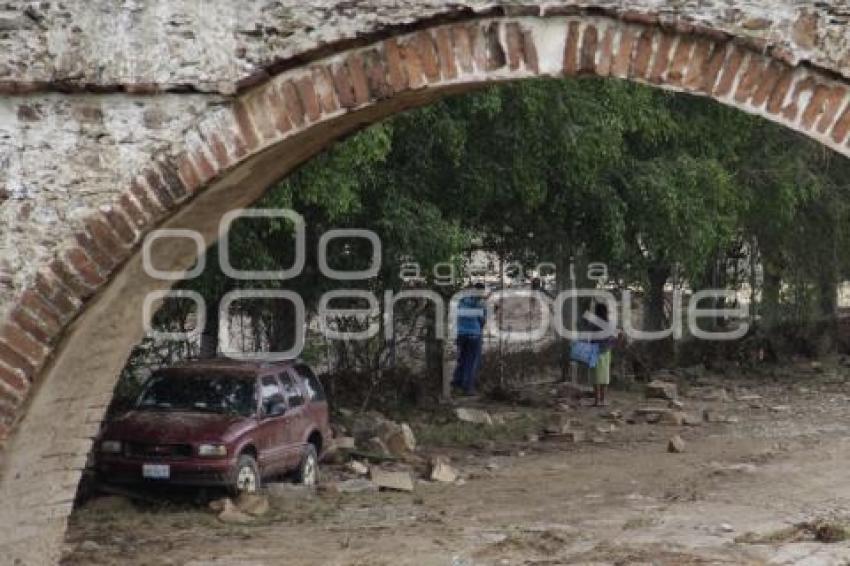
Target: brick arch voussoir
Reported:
point(674, 55)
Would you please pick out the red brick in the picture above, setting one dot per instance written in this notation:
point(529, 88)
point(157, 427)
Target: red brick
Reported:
point(530, 51)
point(218, 149)
point(478, 40)
point(376, 76)
point(42, 311)
point(513, 36)
point(571, 49)
point(309, 100)
point(792, 110)
point(445, 51)
point(589, 46)
point(662, 58)
point(278, 109)
point(842, 126)
point(157, 188)
point(187, 172)
point(292, 102)
point(769, 81)
point(780, 91)
point(837, 96)
point(681, 57)
point(126, 204)
point(357, 72)
point(83, 266)
point(71, 280)
point(15, 360)
point(101, 259)
point(167, 170)
point(324, 83)
point(711, 69)
point(344, 88)
point(623, 58)
point(606, 56)
point(203, 166)
point(428, 55)
point(56, 293)
point(14, 337)
point(106, 239)
point(144, 199)
point(463, 48)
point(730, 72)
point(31, 326)
point(119, 224)
point(816, 106)
point(643, 55)
point(412, 65)
point(261, 113)
point(245, 126)
point(750, 79)
point(14, 382)
point(700, 55)
point(395, 65)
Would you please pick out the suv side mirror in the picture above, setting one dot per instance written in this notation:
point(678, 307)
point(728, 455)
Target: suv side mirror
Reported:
point(276, 409)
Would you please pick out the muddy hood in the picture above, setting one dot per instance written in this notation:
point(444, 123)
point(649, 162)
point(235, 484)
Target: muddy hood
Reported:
point(175, 427)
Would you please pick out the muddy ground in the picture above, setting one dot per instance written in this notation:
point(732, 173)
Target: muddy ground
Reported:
point(738, 494)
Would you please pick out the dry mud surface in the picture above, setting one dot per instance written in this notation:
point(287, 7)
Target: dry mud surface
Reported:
point(622, 499)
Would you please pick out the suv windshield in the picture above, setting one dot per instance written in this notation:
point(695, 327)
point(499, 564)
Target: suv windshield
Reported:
point(217, 394)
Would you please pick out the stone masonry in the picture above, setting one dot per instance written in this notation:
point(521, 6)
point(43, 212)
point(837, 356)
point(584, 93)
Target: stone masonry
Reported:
point(121, 117)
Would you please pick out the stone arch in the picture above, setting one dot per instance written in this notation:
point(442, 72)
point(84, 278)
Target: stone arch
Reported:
point(68, 334)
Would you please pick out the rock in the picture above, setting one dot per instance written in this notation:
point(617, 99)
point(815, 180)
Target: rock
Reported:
point(532, 438)
point(558, 424)
point(672, 418)
point(356, 485)
point(711, 416)
point(727, 528)
point(89, 546)
point(748, 398)
point(442, 471)
point(598, 440)
point(780, 408)
point(344, 443)
point(218, 505)
point(569, 436)
point(612, 415)
point(744, 468)
point(691, 420)
point(398, 481)
point(376, 446)
point(230, 514)
point(367, 425)
point(676, 405)
point(358, 467)
point(676, 445)
point(287, 491)
point(253, 504)
point(606, 429)
point(657, 389)
point(400, 441)
point(648, 414)
point(475, 416)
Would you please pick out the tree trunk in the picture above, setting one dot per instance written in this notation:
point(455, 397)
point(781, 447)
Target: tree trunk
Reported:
point(656, 318)
point(209, 334)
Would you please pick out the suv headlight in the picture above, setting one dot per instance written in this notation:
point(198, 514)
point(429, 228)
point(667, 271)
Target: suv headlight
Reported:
point(212, 450)
point(111, 446)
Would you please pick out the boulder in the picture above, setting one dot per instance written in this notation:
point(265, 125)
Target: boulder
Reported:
point(442, 471)
point(385, 479)
point(253, 504)
point(400, 440)
point(357, 467)
point(676, 445)
point(475, 416)
point(356, 485)
point(231, 514)
point(657, 389)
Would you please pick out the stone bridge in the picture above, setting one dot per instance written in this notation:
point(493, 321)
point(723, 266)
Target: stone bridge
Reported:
point(118, 117)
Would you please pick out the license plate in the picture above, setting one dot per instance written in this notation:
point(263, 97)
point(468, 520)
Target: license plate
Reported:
point(156, 471)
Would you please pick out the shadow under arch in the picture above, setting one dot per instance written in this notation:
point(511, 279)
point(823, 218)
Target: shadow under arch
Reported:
point(96, 287)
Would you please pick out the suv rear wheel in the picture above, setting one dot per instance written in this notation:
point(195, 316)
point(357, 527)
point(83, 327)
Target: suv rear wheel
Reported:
point(246, 477)
point(308, 471)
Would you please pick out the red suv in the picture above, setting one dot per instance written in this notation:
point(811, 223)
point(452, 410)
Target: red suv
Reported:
point(219, 422)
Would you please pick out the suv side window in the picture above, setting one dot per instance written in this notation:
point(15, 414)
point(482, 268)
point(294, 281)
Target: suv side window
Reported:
point(315, 391)
point(293, 394)
point(271, 394)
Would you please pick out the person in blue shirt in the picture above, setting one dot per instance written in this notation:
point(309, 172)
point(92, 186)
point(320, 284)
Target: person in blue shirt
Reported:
point(471, 319)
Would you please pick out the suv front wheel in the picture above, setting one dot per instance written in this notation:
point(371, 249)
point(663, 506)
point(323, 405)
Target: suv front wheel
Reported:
point(308, 471)
point(246, 476)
